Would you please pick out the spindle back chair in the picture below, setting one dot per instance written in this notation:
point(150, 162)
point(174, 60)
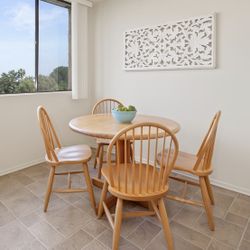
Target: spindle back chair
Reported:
point(205, 152)
point(57, 155)
point(50, 138)
point(199, 165)
point(139, 178)
point(103, 106)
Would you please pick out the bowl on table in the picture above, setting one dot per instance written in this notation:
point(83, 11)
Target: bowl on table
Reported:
point(124, 116)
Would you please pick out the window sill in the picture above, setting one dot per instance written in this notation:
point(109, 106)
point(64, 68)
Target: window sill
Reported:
point(37, 93)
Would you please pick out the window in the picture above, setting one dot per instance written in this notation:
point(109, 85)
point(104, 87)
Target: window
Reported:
point(34, 46)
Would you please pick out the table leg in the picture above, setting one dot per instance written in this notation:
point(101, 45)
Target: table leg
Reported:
point(121, 151)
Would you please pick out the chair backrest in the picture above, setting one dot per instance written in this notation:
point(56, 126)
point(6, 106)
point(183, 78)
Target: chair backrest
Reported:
point(205, 153)
point(105, 106)
point(50, 138)
point(140, 173)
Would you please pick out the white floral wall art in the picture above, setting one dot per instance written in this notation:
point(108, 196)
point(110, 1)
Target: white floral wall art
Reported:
point(186, 44)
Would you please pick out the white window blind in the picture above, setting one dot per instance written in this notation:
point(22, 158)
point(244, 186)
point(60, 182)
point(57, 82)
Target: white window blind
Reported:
point(79, 33)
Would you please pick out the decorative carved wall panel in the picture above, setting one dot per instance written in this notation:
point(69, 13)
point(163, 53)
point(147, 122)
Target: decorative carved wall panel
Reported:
point(186, 44)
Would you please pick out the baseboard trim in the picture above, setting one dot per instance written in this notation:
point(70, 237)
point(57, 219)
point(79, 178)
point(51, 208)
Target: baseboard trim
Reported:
point(215, 182)
point(28, 164)
point(221, 184)
point(22, 166)
point(231, 187)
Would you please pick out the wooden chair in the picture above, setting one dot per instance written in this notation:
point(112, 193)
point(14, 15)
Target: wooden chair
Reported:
point(56, 155)
point(104, 106)
point(198, 165)
point(140, 180)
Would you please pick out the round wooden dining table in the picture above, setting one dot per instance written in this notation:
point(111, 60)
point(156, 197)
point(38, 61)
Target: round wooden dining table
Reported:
point(104, 126)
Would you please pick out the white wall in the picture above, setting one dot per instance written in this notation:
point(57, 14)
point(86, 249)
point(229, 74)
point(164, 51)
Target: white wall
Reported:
point(21, 143)
point(190, 97)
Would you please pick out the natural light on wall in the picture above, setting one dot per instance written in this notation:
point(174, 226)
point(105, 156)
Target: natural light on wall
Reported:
point(34, 46)
point(44, 46)
point(79, 33)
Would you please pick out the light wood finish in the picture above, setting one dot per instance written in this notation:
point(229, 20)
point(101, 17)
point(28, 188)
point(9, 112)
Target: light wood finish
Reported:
point(103, 106)
point(117, 224)
point(103, 198)
point(198, 165)
point(165, 224)
point(139, 178)
point(104, 126)
point(209, 189)
point(56, 155)
point(70, 190)
point(49, 187)
point(137, 214)
point(207, 203)
point(89, 185)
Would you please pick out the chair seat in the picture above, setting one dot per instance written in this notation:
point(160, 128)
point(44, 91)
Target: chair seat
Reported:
point(145, 193)
point(73, 154)
point(185, 162)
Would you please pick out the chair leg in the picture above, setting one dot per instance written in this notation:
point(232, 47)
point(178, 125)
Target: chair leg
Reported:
point(206, 201)
point(97, 154)
point(99, 175)
point(117, 224)
point(165, 224)
point(49, 188)
point(102, 199)
point(89, 186)
point(209, 189)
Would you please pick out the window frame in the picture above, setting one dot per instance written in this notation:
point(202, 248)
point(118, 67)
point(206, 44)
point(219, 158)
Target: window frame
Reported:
point(63, 4)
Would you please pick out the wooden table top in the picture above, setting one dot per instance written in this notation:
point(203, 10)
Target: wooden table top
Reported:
point(104, 126)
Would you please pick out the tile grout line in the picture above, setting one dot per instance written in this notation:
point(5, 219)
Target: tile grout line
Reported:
point(194, 229)
point(245, 228)
point(170, 220)
point(228, 210)
point(139, 224)
point(44, 220)
point(33, 234)
point(26, 228)
point(94, 239)
point(68, 203)
point(79, 228)
point(100, 236)
point(209, 244)
point(243, 233)
point(155, 238)
point(126, 238)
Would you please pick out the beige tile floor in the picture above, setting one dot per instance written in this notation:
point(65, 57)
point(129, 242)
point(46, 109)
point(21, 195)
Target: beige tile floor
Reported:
point(71, 224)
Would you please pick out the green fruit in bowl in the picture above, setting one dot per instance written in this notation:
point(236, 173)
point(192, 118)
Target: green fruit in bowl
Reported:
point(131, 108)
point(124, 114)
point(119, 108)
point(124, 108)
